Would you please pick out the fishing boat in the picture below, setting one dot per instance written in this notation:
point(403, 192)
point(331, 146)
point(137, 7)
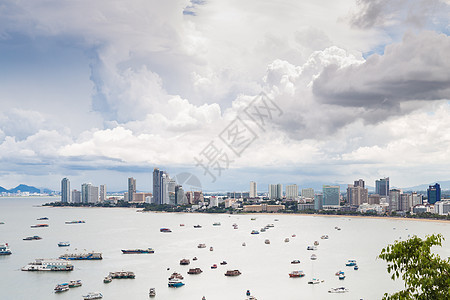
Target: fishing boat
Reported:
point(95, 295)
point(185, 262)
point(165, 230)
point(75, 283)
point(195, 271)
point(338, 290)
point(233, 273)
point(63, 244)
point(34, 237)
point(214, 266)
point(63, 287)
point(137, 251)
point(175, 283)
point(294, 274)
point(152, 292)
point(176, 275)
point(351, 263)
point(107, 279)
point(4, 249)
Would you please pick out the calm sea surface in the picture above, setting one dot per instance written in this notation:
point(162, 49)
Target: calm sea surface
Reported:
point(264, 267)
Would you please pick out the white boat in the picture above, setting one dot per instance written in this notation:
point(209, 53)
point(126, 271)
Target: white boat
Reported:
point(314, 281)
point(311, 248)
point(48, 265)
point(4, 249)
point(324, 237)
point(94, 295)
point(313, 257)
point(63, 244)
point(75, 283)
point(338, 290)
point(244, 244)
point(61, 288)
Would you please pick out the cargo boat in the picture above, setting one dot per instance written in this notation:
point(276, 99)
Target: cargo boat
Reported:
point(195, 271)
point(48, 265)
point(122, 275)
point(75, 222)
point(39, 225)
point(233, 273)
point(35, 237)
point(137, 251)
point(82, 256)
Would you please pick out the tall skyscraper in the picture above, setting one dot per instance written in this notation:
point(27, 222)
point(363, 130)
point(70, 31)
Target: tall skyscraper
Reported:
point(382, 187)
point(157, 191)
point(253, 191)
point(275, 191)
point(89, 193)
point(308, 193)
point(180, 196)
point(103, 193)
point(394, 200)
point(65, 190)
point(331, 196)
point(434, 193)
point(131, 188)
point(76, 196)
point(357, 194)
point(318, 201)
point(291, 192)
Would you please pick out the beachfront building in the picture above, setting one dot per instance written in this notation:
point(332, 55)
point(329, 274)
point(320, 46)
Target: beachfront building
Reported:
point(263, 208)
point(89, 193)
point(442, 207)
point(275, 191)
point(102, 192)
point(357, 194)
point(434, 193)
point(331, 196)
point(253, 190)
point(382, 187)
point(318, 201)
point(76, 196)
point(131, 189)
point(291, 192)
point(308, 193)
point(394, 200)
point(65, 190)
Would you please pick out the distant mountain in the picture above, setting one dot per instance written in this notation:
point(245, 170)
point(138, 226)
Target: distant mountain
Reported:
point(24, 188)
point(3, 190)
point(445, 185)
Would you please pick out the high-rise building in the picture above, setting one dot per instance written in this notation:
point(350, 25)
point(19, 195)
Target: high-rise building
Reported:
point(103, 193)
point(382, 187)
point(76, 196)
point(405, 202)
point(253, 191)
point(357, 194)
point(434, 193)
point(65, 190)
point(131, 188)
point(374, 199)
point(275, 191)
point(318, 201)
point(416, 199)
point(180, 196)
point(291, 192)
point(171, 183)
point(394, 200)
point(308, 193)
point(331, 196)
point(89, 193)
point(157, 177)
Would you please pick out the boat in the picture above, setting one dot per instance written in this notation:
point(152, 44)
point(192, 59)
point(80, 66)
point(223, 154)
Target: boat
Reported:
point(214, 266)
point(152, 292)
point(48, 265)
point(82, 256)
point(233, 273)
point(338, 290)
point(355, 267)
point(244, 244)
point(2, 223)
point(75, 222)
point(295, 261)
point(211, 249)
point(34, 237)
point(286, 240)
point(351, 263)
point(262, 230)
point(4, 249)
point(195, 258)
point(95, 295)
point(137, 251)
point(184, 262)
point(107, 279)
point(324, 237)
point(175, 283)
point(195, 271)
point(296, 274)
point(43, 218)
point(39, 225)
point(270, 225)
point(294, 235)
point(75, 283)
point(316, 243)
point(314, 281)
point(197, 226)
point(313, 257)
point(63, 244)
point(235, 226)
point(276, 220)
point(216, 224)
point(341, 276)
point(165, 230)
point(254, 232)
point(201, 246)
point(339, 273)
point(63, 287)
point(253, 219)
point(267, 241)
point(176, 275)
point(223, 263)
point(337, 228)
point(122, 275)
point(311, 248)
point(181, 225)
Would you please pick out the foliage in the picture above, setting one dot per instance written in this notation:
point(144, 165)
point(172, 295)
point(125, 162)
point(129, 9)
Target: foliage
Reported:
point(425, 274)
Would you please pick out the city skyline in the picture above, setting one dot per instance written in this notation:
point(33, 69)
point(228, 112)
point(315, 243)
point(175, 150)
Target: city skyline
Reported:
point(355, 89)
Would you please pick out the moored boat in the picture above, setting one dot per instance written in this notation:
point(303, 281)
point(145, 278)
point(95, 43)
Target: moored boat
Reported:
point(223, 263)
point(107, 279)
point(82, 256)
point(4, 249)
point(233, 273)
point(341, 276)
point(254, 232)
point(137, 251)
point(94, 295)
point(296, 274)
point(216, 224)
point(214, 266)
point(244, 244)
point(324, 237)
point(195, 271)
point(48, 265)
point(63, 287)
point(355, 267)
point(175, 275)
point(286, 240)
point(316, 243)
point(63, 244)
point(175, 283)
point(267, 241)
point(339, 273)
point(122, 275)
point(295, 261)
point(184, 262)
point(211, 249)
point(43, 218)
point(314, 281)
point(313, 257)
point(75, 283)
point(311, 248)
point(195, 258)
point(197, 226)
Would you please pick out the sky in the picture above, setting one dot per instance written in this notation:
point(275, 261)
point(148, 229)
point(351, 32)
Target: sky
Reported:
point(286, 91)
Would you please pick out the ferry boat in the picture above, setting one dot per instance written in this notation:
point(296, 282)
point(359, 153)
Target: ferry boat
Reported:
point(233, 273)
point(39, 225)
point(122, 275)
point(107, 279)
point(254, 232)
point(34, 237)
point(48, 265)
point(201, 246)
point(75, 222)
point(175, 283)
point(195, 271)
point(176, 275)
point(338, 290)
point(165, 230)
point(216, 224)
point(137, 251)
point(351, 263)
point(152, 292)
point(95, 295)
point(63, 244)
point(294, 274)
point(184, 262)
point(43, 218)
point(75, 283)
point(63, 287)
point(82, 256)
point(4, 249)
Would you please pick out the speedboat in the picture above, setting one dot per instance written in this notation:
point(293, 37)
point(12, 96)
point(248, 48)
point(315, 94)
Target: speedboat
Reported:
point(95, 295)
point(197, 226)
point(4, 249)
point(214, 266)
point(338, 290)
point(223, 263)
point(296, 274)
point(339, 273)
point(165, 230)
point(107, 279)
point(63, 287)
point(175, 283)
point(152, 292)
point(351, 263)
point(63, 244)
point(295, 261)
point(255, 232)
